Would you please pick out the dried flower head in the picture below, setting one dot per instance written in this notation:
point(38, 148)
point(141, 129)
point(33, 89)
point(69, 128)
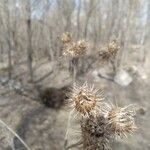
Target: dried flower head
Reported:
point(113, 47)
point(69, 49)
point(109, 51)
point(75, 49)
point(100, 122)
point(85, 100)
point(66, 38)
point(121, 121)
point(95, 134)
point(82, 45)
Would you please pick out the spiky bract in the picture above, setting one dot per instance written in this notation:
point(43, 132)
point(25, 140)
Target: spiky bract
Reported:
point(77, 49)
point(66, 38)
point(121, 121)
point(109, 51)
point(95, 134)
point(85, 100)
point(113, 47)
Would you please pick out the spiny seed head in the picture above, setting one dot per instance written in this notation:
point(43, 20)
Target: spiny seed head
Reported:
point(85, 99)
point(94, 132)
point(113, 47)
point(75, 49)
point(94, 125)
point(66, 38)
point(121, 121)
point(69, 49)
point(82, 45)
point(109, 51)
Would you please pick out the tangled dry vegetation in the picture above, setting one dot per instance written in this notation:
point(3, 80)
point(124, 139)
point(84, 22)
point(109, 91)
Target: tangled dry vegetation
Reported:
point(100, 122)
point(71, 48)
point(109, 51)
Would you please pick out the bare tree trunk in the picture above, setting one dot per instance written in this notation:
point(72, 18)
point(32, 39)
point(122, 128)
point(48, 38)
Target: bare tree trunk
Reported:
point(78, 19)
point(8, 38)
point(86, 26)
point(9, 59)
point(126, 37)
point(29, 37)
point(92, 6)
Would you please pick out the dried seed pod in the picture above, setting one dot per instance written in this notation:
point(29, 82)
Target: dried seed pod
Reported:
point(121, 121)
point(82, 45)
point(100, 122)
point(95, 134)
point(75, 49)
point(85, 100)
point(109, 51)
point(69, 49)
point(113, 47)
point(66, 38)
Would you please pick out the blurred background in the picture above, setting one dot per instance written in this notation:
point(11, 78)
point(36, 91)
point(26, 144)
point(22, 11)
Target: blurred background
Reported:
point(34, 74)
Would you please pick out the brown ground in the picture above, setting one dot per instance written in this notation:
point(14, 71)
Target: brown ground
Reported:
point(44, 128)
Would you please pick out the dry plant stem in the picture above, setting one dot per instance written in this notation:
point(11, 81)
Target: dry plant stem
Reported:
point(74, 62)
point(74, 73)
point(15, 134)
point(74, 145)
point(68, 125)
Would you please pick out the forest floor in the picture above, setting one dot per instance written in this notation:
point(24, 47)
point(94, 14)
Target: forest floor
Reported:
point(43, 128)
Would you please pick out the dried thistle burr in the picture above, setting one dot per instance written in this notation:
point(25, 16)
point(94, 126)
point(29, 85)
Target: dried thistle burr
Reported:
point(82, 45)
point(100, 122)
point(113, 47)
point(71, 48)
point(109, 51)
point(85, 100)
point(95, 135)
point(66, 38)
point(121, 121)
point(75, 50)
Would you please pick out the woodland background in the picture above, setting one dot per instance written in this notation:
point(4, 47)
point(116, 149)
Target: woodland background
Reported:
point(31, 63)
